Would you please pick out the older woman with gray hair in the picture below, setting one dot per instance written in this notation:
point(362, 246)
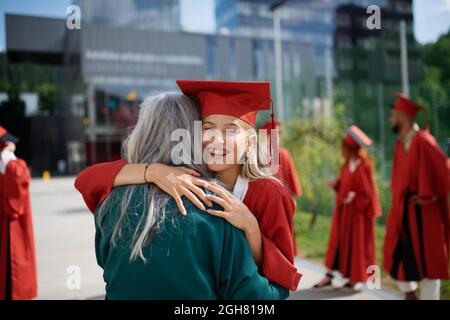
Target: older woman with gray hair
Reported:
point(147, 249)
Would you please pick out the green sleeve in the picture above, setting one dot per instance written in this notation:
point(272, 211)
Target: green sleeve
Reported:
point(239, 278)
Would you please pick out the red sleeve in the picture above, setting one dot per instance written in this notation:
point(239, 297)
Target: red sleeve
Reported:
point(288, 173)
point(371, 187)
point(274, 211)
point(433, 177)
point(362, 189)
point(337, 186)
point(17, 178)
point(433, 174)
point(96, 182)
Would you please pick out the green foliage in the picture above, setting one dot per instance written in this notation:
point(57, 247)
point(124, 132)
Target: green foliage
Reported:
point(47, 96)
point(33, 77)
point(434, 90)
point(315, 147)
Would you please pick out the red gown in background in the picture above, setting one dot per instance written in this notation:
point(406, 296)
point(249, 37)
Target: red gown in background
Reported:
point(268, 200)
point(288, 174)
point(417, 236)
point(16, 234)
point(351, 246)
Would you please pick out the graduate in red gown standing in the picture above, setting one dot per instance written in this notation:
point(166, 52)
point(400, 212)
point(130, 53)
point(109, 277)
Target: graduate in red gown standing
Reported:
point(17, 253)
point(286, 169)
point(224, 106)
point(416, 246)
point(351, 246)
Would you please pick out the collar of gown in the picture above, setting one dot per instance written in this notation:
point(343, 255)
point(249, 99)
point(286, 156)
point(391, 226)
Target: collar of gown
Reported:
point(353, 164)
point(240, 188)
point(5, 157)
point(406, 141)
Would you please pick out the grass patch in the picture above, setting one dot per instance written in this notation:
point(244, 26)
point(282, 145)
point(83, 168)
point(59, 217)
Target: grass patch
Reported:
point(313, 243)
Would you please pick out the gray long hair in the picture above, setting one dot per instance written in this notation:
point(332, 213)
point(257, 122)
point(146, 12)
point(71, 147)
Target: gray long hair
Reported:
point(150, 142)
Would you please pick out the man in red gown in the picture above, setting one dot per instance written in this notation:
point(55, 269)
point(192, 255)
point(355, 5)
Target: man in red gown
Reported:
point(416, 246)
point(18, 279)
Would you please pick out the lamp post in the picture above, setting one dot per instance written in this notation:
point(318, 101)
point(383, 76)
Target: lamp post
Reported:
point(404, 58)
point(275, 9)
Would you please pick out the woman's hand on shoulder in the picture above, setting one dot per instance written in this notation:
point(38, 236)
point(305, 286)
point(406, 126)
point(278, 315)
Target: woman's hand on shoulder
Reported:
point(178, 182)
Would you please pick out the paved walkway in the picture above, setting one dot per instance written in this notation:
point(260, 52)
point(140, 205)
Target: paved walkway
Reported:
point(313, 272)
point(64, 232)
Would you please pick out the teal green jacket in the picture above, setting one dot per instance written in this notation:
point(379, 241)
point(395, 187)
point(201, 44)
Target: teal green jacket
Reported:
point(198, 256)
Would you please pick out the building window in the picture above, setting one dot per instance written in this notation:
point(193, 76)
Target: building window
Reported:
point(296, 64)
point(258, 61)
point(403, 7)
point(345, 63)
point(344, 42)
point(368, 44)
point(211, 56)
point(232, 60)
point(343, 20)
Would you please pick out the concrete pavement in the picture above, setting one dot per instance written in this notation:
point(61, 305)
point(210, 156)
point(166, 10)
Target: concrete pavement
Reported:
point(64, 233)
point(313, 273)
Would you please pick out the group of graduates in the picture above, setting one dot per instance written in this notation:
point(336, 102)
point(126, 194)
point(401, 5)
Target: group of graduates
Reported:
point(416, 247)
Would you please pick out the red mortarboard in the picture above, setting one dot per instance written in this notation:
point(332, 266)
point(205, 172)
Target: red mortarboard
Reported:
point(238, 99)
point(406, 105)
point(5, 136)
point(356, 137)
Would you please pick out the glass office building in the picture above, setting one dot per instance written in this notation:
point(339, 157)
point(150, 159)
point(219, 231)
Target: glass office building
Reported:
point(107, 70)
point(309, 21)
point(140, 14)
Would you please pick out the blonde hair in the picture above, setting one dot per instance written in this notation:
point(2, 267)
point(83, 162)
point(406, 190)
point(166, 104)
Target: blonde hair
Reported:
point(256, 161)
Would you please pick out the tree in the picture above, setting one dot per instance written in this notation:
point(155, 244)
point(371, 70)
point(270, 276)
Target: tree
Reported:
point(47, 98)
point(434, 90)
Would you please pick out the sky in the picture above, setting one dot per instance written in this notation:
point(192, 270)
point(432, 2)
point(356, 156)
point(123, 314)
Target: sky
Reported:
point(432, 17)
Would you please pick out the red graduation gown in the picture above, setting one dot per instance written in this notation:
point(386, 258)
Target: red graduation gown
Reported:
point(269, 201)
point(351, 246)
point(416, 244)
point(16, 221)
point(288, 174)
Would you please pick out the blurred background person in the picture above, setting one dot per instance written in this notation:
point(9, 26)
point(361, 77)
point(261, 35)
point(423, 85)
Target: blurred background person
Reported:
point(286, 169)
point(351, 246)
point(18, 279)
point(416, 246)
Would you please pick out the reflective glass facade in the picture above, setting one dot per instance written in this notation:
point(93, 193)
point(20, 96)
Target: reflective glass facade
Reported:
point(140, 14)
